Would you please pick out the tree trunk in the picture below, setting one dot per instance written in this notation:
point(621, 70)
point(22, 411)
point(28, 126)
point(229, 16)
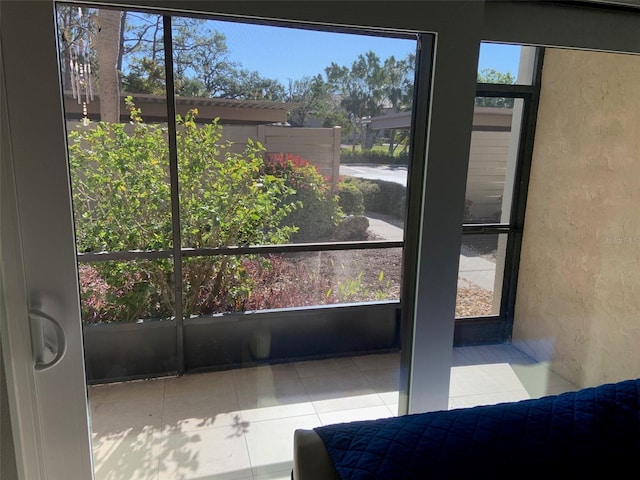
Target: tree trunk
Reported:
point(108, 49)
point(123, 22)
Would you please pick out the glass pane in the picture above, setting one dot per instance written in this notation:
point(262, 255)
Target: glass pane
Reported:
point(262, 282)
point(506, 64)
point(262, 129)
point(118, 158)
point(480, 275)
point(126, 291)
point(492, 160)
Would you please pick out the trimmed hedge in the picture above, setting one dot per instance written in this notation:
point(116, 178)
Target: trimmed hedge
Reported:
point(353, 227)
point(374, 157)
point(351, 199)
point(387, 198)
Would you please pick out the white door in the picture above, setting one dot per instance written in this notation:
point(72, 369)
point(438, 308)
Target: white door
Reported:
point(39, 310)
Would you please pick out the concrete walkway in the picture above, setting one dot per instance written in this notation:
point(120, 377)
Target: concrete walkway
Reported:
point(475, 269)
point(386, 228)
point(479, 271)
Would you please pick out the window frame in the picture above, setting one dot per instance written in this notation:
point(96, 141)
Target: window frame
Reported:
point(178, 252)
point(497, 328)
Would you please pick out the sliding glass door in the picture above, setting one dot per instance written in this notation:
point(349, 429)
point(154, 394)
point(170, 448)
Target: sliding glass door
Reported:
point(40, 314)
point(233, 183)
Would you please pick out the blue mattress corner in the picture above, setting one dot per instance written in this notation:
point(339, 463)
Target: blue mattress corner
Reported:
point(578, 433)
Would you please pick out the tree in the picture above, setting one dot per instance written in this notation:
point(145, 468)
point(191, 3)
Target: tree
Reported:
point(125, 51)
point(489, 75)
point(130, 45)
point(246, 85)
point(202, 66)
point(368, 87)
point(145, 76)
point(360, 85)
point(141, 43)
point(200, 57)
point(108, 50)
point(398, 89)
point(397, 82)
point(314, 96)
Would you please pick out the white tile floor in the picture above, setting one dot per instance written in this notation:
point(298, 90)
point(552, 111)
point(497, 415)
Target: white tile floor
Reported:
point(239, 424)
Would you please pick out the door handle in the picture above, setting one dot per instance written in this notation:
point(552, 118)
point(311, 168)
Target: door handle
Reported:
point(48, 339)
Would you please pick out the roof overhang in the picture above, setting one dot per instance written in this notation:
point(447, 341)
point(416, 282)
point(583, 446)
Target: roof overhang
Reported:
point(484, 118)
point(229, 111)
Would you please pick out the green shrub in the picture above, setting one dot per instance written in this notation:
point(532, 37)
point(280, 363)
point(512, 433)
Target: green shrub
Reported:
point(352, 227)
point(373, 157)
point(318, 211)
point(390, 200)
point(387, 198)
point(351, 198)
point(369, 190)
point(122, 201)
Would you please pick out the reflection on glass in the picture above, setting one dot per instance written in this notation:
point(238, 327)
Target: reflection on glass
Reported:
point(261, 282)
point(126, 291)
point(480, 275)
point(492, 159)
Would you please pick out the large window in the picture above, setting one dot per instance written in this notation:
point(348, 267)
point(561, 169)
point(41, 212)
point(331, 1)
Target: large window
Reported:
point(499, 159)
point(214, 173)
point(226, 167)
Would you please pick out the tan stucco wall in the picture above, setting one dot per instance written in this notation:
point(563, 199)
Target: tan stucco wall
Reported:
point(578, 297)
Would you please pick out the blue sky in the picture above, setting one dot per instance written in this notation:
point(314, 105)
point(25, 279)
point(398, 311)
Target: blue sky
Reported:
point(500, 57)
point(288, 53)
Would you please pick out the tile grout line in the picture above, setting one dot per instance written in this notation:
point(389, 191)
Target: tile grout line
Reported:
point(161, 433)
point(297, 376)
point(244, 434)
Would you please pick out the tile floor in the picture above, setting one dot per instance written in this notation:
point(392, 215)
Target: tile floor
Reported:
point(239, 424)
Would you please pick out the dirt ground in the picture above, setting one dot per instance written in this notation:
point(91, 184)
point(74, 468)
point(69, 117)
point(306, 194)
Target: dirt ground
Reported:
point(472, 300)
point(346, 276)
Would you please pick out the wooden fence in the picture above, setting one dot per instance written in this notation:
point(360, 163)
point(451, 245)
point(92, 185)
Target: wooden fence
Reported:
point(319, 146)
point(488, 160)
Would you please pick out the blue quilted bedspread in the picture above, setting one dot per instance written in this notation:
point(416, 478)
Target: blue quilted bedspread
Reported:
point(593, 432)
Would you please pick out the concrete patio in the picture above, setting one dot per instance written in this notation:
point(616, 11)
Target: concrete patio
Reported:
point(239, 424)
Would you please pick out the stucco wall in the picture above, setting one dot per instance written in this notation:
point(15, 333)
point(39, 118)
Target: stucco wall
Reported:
point(578, 298)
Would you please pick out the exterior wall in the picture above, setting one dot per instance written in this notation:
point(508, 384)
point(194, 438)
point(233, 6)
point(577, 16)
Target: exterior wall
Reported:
point(487, 170)
point(492, 145)
point(579, 282)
